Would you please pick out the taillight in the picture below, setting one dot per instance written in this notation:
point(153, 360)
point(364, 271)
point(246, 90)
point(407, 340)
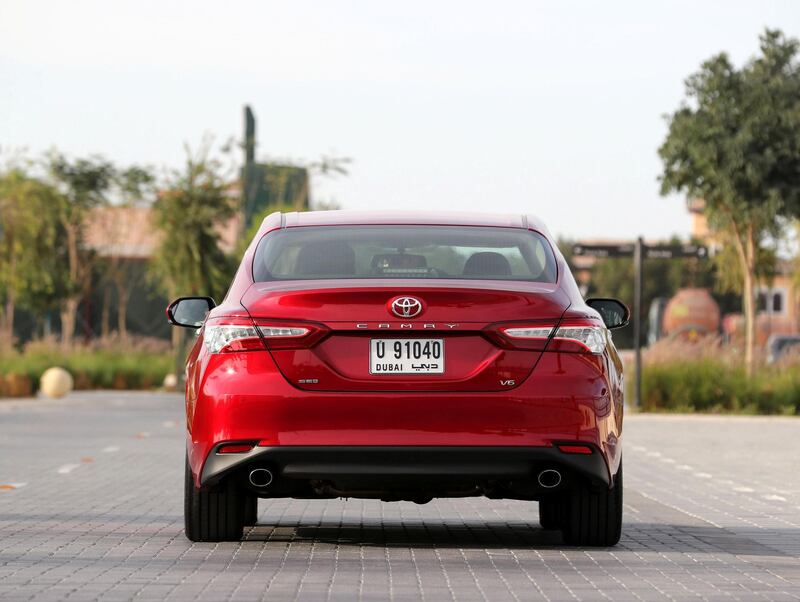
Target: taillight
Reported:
point(290, 335)
point(227, 335)
point(579, 336)
point(532, 336)
point(576, 336)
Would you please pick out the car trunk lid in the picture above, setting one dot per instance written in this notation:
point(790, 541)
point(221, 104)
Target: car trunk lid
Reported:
point(446, 344)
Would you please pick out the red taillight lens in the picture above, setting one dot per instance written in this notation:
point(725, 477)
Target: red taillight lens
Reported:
point(235, 448)
point(575, 449)
point(576, 336)
point(227, 335)
point(294, 335)
point(528, 337)
point(532, 336)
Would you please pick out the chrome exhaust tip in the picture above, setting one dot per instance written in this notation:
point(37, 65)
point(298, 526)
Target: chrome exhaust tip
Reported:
point(549, 478)
point(260, 477)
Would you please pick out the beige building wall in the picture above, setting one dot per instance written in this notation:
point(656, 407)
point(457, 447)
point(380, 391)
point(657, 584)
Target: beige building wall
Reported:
point(778, 301)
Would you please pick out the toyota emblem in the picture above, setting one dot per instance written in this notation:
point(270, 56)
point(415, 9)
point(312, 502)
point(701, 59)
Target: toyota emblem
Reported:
point(406, 307)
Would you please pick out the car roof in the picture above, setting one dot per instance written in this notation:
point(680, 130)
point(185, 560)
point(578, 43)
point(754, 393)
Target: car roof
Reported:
point(433, 218)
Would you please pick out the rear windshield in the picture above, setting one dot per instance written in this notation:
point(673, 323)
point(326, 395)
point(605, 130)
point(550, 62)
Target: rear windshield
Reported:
point(473, 253)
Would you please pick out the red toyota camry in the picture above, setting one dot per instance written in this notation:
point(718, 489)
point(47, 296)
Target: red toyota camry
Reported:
point(403, 356)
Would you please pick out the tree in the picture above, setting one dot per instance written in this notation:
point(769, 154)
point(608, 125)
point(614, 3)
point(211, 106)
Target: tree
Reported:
point(289, 185)
point(83, 184)
point(27, 237)
point(329, 166)
point(735, 143)
point(133, 187)
point(189, 214)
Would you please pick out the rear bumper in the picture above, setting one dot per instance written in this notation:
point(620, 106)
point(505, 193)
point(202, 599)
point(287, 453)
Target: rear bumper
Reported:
point(242, 397)
point(386, 464)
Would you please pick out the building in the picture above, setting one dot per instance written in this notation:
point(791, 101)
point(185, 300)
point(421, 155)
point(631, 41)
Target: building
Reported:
point(777, 301)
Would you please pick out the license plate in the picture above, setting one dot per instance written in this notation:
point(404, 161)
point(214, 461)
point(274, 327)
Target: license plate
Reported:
point(406, 356)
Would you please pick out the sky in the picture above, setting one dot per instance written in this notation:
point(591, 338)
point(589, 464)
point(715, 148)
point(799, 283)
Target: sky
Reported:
point(552, 108)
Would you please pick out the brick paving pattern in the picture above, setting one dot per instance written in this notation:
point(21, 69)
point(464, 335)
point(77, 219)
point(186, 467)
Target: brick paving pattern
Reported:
point(91, 508)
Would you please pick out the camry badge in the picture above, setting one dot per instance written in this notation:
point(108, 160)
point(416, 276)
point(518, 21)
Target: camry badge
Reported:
point(406, 307)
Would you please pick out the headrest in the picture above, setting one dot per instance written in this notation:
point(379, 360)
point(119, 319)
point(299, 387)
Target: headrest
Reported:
point(487, 263)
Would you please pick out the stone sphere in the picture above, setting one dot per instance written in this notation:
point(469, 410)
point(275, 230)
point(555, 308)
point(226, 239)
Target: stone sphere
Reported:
point(55, 382)
point(170, 382)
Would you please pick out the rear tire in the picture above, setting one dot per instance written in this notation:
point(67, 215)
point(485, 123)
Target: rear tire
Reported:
point(594, 517)
point(250, 513)
point(212, 514)
point(549, 511)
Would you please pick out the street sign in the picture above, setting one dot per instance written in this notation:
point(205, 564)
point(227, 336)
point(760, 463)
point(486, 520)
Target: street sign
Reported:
point(622, 250)
point(649, 251)
point(675, 251)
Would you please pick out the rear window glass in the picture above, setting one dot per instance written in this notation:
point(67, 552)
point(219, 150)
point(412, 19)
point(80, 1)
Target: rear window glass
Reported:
point(473, 253)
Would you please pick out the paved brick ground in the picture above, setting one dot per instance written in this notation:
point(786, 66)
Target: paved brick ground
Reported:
point(90, 508)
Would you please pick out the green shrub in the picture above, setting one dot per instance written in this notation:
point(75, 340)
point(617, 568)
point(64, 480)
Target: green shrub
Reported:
point(708, 385)
point(92, 368)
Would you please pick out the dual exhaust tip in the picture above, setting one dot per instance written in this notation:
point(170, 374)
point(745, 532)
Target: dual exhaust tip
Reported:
point(261, 477)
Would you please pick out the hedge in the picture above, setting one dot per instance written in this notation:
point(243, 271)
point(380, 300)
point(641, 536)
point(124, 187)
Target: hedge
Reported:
point(90, 369)
point(708, 385)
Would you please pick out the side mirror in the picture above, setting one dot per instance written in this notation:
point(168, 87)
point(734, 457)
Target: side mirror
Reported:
point(615, 314)
point(189, 312)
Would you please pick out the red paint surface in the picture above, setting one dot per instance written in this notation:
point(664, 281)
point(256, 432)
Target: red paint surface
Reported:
point(556, 396)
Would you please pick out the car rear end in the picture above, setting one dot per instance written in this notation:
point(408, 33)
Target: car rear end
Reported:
point(404, 361)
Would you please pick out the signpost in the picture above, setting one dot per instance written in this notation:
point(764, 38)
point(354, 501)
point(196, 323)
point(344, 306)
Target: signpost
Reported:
point(639, 251)
point(637, 316)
